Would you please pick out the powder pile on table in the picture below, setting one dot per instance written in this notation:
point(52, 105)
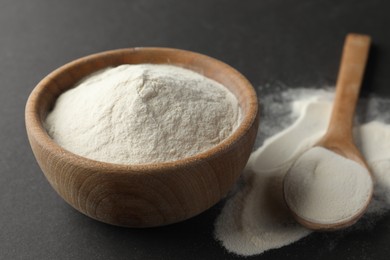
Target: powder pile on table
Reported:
point(255, 218)
point(139, 114)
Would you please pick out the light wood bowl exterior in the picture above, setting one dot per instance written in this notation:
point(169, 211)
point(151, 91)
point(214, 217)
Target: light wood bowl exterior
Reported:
point(150, 194)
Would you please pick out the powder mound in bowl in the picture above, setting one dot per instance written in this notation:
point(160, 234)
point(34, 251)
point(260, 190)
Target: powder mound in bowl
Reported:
point(326, 188)
point(136, 114)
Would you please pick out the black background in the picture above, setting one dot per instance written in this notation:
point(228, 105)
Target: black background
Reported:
point(272, 42)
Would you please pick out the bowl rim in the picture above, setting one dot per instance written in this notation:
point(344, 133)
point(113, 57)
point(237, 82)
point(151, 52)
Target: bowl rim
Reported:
point(36, 129)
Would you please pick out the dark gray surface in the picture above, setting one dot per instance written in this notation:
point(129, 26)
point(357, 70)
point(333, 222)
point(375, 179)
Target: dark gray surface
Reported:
point(296, 43)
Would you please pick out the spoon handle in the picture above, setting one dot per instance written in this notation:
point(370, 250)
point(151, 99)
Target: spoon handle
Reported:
point(353, 62)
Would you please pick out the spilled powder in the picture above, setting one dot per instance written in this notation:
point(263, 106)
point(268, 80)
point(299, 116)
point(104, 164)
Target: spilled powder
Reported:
point(255, 218)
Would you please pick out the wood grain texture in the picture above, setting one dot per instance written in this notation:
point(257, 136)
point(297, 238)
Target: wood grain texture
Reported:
point(150, 194)
point(339, 136)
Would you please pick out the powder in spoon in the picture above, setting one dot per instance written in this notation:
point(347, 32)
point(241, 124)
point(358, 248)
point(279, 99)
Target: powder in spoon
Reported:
point(324, 187)
point(135, 114)
point(255, 217)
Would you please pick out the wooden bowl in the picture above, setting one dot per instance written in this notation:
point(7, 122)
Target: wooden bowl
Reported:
point(150, 194)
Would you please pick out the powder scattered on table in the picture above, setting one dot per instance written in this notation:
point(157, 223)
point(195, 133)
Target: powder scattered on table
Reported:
point(255, 217)
point(139, 114)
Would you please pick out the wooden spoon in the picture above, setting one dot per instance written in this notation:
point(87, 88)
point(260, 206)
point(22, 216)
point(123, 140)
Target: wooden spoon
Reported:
point(338, 137)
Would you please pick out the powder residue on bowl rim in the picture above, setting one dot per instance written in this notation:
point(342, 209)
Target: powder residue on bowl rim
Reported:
point(139, 114)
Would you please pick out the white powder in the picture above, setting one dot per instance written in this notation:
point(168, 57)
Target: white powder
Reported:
point(255, 218)
point(134, 114)
point(324, 187)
